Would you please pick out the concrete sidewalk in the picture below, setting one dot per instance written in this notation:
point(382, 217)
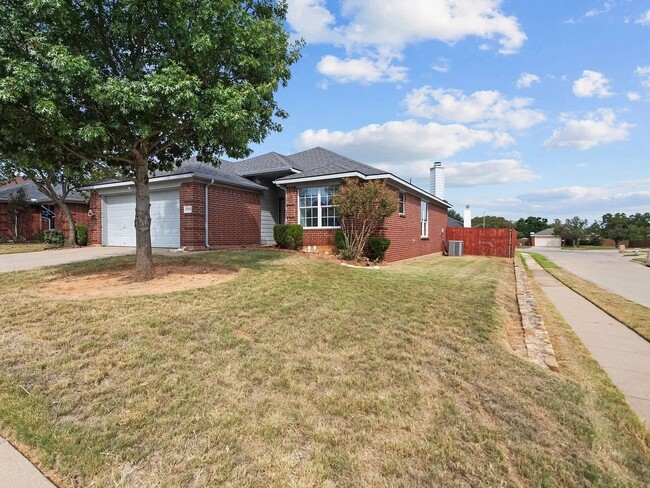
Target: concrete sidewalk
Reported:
point(17, 472)
point(623, 354)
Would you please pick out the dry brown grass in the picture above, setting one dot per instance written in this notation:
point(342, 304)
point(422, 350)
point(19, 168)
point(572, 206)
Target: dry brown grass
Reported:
point(303, 373)
point(632, 314)
point(11, 248)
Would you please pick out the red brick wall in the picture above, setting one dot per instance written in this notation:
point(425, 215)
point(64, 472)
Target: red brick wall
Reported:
point(291, 203)
point(403, 230)
point(95, 221)
point(6, 224)
point(31, 223)
point(193, 224)
point(234, 217)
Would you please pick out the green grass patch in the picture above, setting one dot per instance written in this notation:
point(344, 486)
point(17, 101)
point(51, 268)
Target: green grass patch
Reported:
point(300, 372)
point(543, 261)
point(15, 248)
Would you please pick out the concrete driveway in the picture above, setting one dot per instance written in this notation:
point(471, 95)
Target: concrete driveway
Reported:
point(607, 269)
point(32, 260)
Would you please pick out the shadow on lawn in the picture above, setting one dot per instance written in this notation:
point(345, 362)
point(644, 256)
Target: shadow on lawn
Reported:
point(231, 260)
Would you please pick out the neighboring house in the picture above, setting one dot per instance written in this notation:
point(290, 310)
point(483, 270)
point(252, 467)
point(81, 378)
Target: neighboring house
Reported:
point(42, 214)
point(545, 238)
point(199, 206)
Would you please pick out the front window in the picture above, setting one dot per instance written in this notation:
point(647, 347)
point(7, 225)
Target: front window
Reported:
point(316, 206)
point(424, 218)
point(402, 202)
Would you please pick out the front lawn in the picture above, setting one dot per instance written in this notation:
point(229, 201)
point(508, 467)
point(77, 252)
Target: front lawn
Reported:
point(304, 373)
point(14, 248)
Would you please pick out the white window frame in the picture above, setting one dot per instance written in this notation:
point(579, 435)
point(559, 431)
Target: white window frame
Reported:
point(424, 219)
point(402, 203)
point(319, 206)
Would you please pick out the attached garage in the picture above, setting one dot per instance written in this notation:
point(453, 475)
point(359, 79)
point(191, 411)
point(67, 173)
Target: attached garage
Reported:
point(119, 215)
point(546, 238)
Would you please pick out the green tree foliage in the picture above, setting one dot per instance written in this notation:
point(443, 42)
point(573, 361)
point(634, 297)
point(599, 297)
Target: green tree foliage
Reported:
point(491, 221)
point(143, 84)
point(530, 225)
point(455, 215)
point(621, 227)
point(362, 208)
point(571, 230)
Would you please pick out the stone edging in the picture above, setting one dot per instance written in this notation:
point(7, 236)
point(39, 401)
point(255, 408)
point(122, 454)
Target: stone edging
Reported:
point(538, 344)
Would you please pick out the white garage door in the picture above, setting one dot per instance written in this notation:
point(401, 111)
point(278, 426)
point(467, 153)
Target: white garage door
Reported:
point(165, 219)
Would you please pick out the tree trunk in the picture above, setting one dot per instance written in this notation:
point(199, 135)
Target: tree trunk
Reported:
point(143, 254)
point(70, 238)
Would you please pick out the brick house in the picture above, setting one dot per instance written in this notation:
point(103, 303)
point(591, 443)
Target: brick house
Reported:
point(42, 214)
point(199, 206)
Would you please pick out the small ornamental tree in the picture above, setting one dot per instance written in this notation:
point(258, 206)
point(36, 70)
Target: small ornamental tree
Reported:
point(361, 208)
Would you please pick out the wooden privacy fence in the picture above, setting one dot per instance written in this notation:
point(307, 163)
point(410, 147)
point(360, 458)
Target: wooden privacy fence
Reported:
point(484, 242)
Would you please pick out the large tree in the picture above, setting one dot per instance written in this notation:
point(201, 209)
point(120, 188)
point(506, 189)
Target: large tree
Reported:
point(616, 227)
point(144, 84)
point(491, 221)
point(571, 230)
point(529, 225)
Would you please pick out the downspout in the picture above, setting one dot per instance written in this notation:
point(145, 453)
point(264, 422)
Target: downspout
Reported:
point(207, 211)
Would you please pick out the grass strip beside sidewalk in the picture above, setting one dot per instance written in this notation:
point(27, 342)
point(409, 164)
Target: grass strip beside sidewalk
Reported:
point(634, 315)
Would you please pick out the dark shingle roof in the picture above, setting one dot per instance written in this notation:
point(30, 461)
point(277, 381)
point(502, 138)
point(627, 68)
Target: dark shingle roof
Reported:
point(453, 222)
point(222, 173)
point(546, 232)
point(321, 162)
point(34, 195)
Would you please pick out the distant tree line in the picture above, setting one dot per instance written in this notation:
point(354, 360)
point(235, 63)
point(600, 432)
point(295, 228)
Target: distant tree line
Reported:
point(574, 231)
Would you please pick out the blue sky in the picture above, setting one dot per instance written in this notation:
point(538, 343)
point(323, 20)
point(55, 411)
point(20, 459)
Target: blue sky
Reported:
point(534, 107)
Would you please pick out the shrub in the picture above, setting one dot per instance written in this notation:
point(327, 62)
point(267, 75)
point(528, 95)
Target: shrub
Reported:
point(377, 247)
point(82, 234)
point(288, 236)
point(339, 240)
point(40, 237)
point(53, 237)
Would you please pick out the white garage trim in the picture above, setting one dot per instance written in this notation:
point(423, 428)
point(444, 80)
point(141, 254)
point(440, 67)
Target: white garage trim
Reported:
point(118, 216)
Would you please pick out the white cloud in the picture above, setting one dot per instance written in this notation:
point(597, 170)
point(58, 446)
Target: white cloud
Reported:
point(633, 96)
point(311, 20)
point(565, 202)
point(644, 73)
point(644, 18)
point(607, 6)
point(362, 70)
point(381, 30)
point(399, 142)
point(488, 107)
point(441, 66)
point(599, 127)
point(592, 84)
point(526, 80)
point(495, 171)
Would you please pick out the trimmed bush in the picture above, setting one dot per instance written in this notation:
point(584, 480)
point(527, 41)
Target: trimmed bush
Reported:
point(53, 238)
point(377, 247)
point(82, 234)
point(288, 236)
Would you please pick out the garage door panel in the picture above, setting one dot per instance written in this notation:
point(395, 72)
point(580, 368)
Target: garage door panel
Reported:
point(165, 219)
